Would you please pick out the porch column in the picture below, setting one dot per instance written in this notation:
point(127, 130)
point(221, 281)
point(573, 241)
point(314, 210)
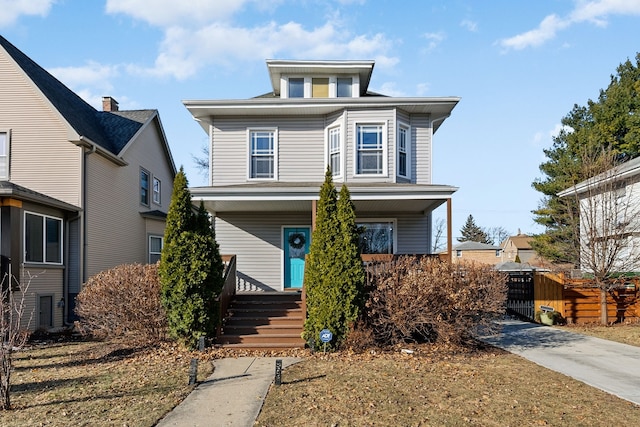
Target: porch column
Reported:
point(449, 232)
point(314, 208)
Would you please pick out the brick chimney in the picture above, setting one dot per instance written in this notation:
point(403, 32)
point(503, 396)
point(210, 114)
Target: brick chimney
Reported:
point(109, 104)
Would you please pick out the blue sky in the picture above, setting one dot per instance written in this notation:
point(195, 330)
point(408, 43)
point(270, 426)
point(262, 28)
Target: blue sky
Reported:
point(519, 67)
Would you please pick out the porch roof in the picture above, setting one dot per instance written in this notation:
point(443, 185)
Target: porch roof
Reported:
point(299, 197)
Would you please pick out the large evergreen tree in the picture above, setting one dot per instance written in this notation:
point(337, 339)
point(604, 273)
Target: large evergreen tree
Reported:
point(612, 123)
point(470, 232)
point(334, 276)
point(190, 268)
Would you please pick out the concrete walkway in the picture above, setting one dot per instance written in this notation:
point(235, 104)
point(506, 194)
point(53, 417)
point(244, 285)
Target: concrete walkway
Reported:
point(231, 396)
point(607, 365)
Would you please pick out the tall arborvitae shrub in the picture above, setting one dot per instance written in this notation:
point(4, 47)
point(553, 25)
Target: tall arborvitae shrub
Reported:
point(190, 269)
point(349, 259)
point(333, 276)
point(320, 271)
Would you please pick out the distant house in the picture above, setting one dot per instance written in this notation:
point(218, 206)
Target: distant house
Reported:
point(81, 190)
point(518, 247)
point(609, 206)
point(476, 252)
point(269, 154)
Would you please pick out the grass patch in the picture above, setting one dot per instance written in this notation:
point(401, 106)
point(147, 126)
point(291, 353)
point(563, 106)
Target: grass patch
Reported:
point(97, 384)
point(628, 333)
point(483, 389)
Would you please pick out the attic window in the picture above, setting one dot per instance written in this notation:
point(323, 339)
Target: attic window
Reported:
point(344, 87)
point(320, 88)
point(296, 88)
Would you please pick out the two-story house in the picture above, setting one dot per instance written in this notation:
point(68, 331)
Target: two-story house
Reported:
point(81, 190)
point(269, 154)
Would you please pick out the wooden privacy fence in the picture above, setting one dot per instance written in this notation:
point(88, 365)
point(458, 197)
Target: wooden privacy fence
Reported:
point(578, 300)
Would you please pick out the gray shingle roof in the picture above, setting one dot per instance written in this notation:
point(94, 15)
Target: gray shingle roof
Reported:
point(110, 130)
point(474, 246)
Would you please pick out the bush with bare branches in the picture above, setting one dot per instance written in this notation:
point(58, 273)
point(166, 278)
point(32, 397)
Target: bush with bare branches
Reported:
point(14, 333)
point(426, 300)
point(123, 302)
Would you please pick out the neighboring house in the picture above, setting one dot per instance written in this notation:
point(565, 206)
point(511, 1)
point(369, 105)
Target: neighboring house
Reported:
point(81, 190)
point(269, 154)
point(518, 247)
point(476, 252)
point(610, 218)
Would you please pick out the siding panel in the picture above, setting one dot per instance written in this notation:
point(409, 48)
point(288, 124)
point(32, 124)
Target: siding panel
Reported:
point(42, 158)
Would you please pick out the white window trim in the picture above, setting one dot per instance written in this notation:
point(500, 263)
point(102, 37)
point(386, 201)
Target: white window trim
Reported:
point(408, 148)
point(44, 238)
point(6, 156)
point(275, 152)
point(327, 152)
point(151, 236)
point(394, 221)
point(385, 148)
point(157, 200)
point(333, 85)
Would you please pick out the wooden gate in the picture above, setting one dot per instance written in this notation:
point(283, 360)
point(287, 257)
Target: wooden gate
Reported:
point(520, 297)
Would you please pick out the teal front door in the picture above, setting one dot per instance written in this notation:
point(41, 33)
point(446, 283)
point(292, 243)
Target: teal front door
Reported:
point(296, 246)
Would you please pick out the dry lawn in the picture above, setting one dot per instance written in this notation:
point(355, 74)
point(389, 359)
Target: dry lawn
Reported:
point(97, 384)
point(487, 387)
point(106, 384)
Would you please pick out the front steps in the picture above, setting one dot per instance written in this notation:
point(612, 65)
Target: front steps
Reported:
point(264, 321)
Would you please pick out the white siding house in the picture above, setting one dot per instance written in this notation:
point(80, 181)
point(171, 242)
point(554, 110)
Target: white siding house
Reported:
point(609, 205)
point(73, 200)
point(269, 154)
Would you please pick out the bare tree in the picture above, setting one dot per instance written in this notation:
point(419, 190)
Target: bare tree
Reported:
point(497, 234)
point(439, 235)
point(608, 211)
point(12, 331)
point(202, 163)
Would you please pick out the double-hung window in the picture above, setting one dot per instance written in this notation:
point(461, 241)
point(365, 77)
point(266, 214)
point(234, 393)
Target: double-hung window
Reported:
point(369, 149)
point(42, 238)
point(155, 249)
point(145, 178)
point(335, 156)
point(403, 147)
point(4, 155)
point(262, 154)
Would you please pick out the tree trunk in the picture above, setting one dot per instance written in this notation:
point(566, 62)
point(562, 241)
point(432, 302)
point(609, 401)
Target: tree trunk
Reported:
point(604, 315)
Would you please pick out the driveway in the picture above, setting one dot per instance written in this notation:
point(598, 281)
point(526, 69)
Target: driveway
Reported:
point(607, 365)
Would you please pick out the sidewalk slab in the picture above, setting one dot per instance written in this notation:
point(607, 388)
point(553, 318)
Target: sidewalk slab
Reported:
point(610, 366)
point(232, 396)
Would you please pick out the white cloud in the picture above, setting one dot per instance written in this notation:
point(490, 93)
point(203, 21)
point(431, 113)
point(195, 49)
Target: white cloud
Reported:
point(434, 39)
point(200, 33)
point(86, 81)
point(595, 12)
point(167, 13)
point(423, 89)
point(184, 52)
point(13, 9)
point(469, 25)
point(389, 89)
point(545, 32)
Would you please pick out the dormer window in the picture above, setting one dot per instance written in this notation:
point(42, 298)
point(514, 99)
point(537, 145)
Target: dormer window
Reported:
point(320, 88)
point(296, 88)
point(344, 87)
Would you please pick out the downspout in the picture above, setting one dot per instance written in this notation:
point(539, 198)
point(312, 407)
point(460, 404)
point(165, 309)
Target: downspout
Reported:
point(85, 244)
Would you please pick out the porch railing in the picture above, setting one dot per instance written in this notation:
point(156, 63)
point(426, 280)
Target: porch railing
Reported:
point(228, 289)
